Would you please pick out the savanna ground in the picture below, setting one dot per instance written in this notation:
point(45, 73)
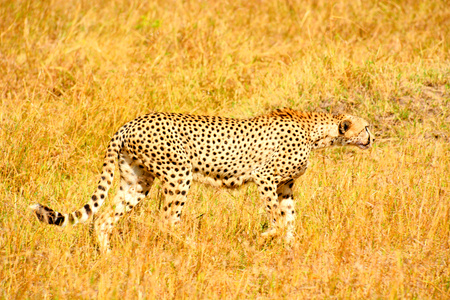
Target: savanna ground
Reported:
point(372, 224)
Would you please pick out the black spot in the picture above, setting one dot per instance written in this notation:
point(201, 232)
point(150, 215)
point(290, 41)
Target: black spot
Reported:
point(88, 209)
point(59, 220)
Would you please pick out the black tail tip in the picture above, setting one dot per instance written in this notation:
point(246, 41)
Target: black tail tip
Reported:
point(47, 215)
point(38, 211)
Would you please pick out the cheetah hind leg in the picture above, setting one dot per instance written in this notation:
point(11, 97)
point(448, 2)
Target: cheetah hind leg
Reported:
point(135, 185)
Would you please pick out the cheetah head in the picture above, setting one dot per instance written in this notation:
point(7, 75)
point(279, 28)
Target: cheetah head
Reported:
point(355, 131)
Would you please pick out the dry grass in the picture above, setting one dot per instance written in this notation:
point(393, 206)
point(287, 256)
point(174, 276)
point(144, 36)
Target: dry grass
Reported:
point(371, 224)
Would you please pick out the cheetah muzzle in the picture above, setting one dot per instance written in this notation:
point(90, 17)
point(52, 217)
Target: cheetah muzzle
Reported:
point(270, 150)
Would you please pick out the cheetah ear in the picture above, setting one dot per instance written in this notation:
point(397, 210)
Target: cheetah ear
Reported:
point(344, 126)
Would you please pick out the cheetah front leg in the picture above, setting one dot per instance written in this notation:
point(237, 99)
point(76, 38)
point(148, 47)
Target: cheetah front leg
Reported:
point(267, 190)
point(175, 188)
point(287, 217)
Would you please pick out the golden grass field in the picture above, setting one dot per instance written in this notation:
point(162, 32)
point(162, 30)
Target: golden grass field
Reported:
point(373, 224)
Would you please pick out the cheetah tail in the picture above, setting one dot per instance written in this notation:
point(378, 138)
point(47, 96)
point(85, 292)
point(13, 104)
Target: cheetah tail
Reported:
point(49, 216)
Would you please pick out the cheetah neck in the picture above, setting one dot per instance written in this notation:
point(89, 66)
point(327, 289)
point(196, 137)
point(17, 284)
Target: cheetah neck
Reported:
point(323, 128)
point(325, 135)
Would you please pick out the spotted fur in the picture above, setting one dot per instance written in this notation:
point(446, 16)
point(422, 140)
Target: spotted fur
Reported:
point(270, 150)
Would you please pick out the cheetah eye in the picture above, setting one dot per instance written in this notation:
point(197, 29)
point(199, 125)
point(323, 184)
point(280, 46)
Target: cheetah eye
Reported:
point(344, 126)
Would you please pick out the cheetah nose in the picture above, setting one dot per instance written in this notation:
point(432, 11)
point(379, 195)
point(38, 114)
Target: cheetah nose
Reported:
point(371, 135)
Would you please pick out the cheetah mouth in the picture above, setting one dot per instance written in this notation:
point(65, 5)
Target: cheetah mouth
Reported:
point(366, 145)
point(363, 146)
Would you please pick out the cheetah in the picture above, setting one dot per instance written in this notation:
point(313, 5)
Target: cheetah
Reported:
point(271, 151)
